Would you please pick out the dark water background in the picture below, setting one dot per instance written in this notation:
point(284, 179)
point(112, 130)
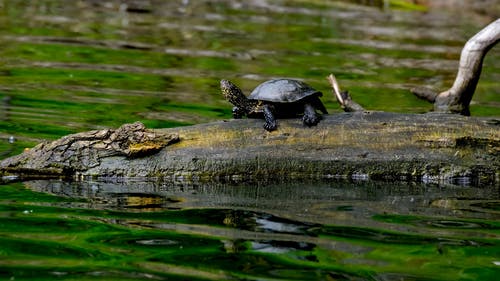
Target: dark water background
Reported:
point(71, 66)
point(294, 231)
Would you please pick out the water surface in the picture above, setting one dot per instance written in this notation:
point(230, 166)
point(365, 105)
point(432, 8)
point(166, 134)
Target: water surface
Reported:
point(300, 231)
point(94, 64)
point(68, 68)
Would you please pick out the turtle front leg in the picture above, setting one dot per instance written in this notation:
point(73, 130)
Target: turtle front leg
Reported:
point(271, 123)
point(310, 118)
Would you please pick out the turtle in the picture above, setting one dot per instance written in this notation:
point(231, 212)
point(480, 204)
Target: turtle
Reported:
point(276, 98)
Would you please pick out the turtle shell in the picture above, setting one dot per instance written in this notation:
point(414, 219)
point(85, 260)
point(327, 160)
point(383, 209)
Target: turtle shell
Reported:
point(282, 91)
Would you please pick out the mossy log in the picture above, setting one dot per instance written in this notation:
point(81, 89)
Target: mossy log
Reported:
point(359, 145)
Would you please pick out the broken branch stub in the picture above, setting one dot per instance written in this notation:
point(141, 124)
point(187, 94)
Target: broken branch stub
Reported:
point(343, 98)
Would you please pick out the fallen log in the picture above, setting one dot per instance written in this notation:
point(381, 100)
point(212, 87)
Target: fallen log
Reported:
point(359, 145)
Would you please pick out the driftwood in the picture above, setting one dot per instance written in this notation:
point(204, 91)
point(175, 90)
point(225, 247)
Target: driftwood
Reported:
point(458, 97)
point(359, 145)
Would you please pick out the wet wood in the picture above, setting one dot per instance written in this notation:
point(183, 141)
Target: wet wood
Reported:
point(360, 145)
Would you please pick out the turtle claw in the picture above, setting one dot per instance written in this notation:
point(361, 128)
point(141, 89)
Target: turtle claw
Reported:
point(270, 126)
point(311, 120)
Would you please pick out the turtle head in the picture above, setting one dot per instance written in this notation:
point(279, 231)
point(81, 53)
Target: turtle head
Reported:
point(233, 94)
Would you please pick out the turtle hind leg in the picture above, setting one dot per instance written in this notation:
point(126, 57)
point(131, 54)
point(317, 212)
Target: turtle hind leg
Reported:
point(319, 105)
point(270, 124)
point(322, 108)
point(310, 118)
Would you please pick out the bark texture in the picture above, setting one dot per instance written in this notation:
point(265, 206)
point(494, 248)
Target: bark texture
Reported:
point(77, 153)
point(360, 145)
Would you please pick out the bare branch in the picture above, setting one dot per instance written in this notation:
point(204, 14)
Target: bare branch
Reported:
point(458, 97)
point(343, 98)
point(425, 93)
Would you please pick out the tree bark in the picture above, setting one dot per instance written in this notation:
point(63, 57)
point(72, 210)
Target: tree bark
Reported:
point(458, 97)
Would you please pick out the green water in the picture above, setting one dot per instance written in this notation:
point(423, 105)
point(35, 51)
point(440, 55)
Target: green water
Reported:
point(300, 231)
point(67, 68)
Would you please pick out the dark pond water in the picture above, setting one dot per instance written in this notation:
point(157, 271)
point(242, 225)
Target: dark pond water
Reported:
point(295, 231)
point(71, 66)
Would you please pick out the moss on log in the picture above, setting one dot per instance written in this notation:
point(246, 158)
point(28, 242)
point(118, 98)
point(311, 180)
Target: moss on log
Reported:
point(360, 145)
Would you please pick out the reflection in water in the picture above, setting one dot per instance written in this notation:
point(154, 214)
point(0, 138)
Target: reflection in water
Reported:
point(295, 208)
point(5, 108)
point(95, 64)
point(332, 230)
point(318, 201)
